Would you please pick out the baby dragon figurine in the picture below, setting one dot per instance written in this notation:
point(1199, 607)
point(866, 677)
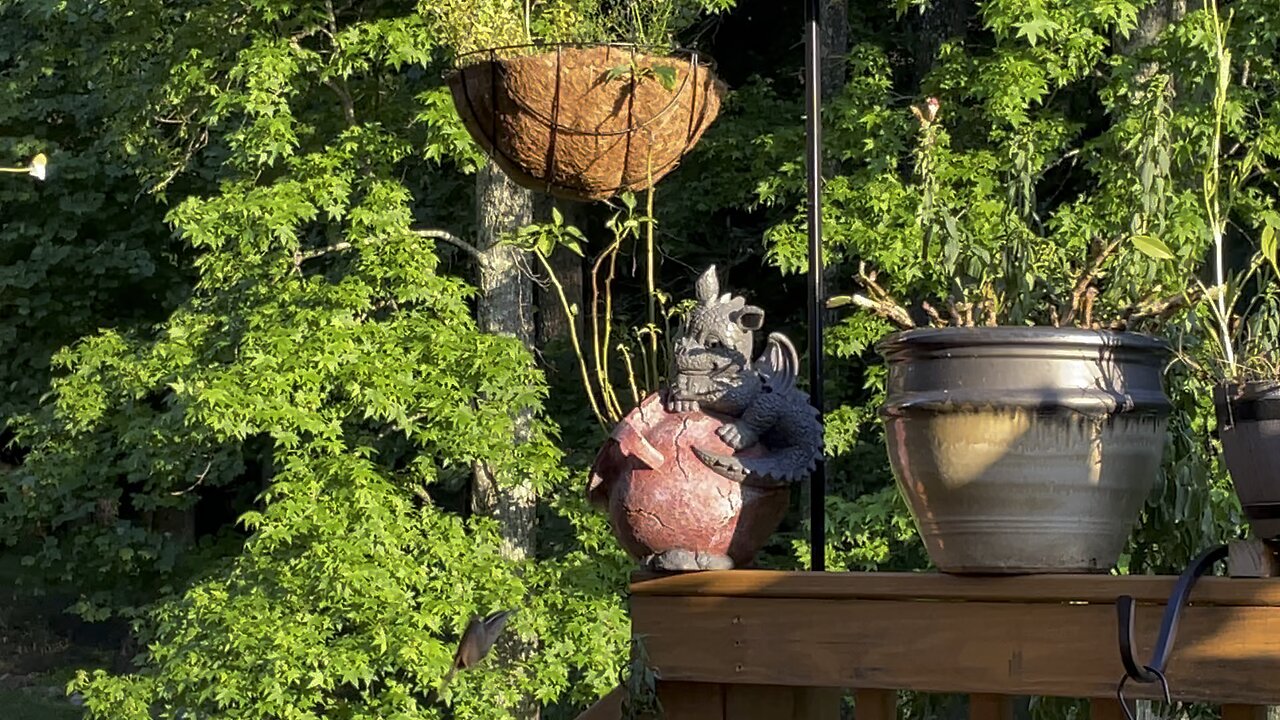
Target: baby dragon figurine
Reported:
point(713, 371)
point(695, 477)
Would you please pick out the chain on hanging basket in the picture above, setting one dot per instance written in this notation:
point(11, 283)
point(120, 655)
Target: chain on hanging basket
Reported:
point(585, 121)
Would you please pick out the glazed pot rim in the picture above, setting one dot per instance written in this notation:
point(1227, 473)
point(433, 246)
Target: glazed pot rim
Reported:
point(1020, 335)
point(1246, 390)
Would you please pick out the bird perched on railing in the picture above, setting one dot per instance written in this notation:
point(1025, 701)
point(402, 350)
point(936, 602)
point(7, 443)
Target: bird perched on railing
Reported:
point(476, 642)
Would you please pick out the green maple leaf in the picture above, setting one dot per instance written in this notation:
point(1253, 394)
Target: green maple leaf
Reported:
point(1037, 28)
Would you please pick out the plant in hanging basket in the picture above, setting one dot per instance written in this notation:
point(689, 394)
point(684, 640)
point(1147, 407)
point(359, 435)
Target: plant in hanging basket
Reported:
point(585, 121)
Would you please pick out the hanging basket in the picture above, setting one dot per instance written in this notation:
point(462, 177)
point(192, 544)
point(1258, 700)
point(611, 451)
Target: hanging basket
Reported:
point(585, 122)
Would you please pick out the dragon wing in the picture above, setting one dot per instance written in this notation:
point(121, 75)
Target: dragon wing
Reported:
point(780, 363)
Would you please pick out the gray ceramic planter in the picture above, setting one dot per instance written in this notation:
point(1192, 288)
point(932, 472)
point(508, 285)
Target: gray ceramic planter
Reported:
point(1249, 425)
point(1024, 449)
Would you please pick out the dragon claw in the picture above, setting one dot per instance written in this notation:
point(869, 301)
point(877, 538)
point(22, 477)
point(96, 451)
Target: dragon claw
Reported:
point(736, 436)
point(682, 406)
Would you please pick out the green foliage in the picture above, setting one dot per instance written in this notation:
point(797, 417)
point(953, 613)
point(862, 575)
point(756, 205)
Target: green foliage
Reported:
point(316, 399)
point(469, 26)
point(1243, 342)
point(222, 300)
point(345, 604)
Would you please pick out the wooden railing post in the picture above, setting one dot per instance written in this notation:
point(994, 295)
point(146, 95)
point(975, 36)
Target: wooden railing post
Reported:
point(1107, 709)
point(780, 702)
point(990, 707)
point(875, 705)
point(691, 701)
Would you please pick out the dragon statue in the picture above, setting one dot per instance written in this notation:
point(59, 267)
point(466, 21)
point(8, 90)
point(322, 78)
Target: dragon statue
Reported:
point(696, 477)
point(713, 372)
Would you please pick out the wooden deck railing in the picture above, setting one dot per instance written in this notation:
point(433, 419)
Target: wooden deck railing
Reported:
point(760, 645)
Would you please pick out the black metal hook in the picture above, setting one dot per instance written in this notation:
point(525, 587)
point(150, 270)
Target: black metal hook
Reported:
point(1164, 686)
point(1125, 608)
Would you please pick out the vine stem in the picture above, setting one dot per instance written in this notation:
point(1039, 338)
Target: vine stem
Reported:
point(573, 337)
point(601, 348)
point(631, 373)
point(1212, 184)
point(610, 396)
point(650, 284)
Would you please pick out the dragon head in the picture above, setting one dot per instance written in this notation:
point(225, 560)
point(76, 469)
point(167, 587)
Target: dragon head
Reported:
point(713, 352)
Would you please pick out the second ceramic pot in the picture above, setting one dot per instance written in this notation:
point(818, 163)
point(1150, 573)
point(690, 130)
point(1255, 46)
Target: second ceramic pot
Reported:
point(1249, 425)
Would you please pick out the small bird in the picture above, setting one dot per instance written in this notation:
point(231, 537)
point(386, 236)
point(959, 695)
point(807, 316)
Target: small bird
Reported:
point(477, 640)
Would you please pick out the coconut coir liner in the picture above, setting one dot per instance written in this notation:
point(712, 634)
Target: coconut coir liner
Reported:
point(556, 122)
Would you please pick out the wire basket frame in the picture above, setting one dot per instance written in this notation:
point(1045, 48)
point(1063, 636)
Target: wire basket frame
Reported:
point(554, 120)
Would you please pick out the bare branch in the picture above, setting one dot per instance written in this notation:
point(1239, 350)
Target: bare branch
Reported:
point(1069, 155)
point(301, 257)
point(953, 310)
point(868, 279)
point(888, 310)
point(1090, 296)
point(1161, 308)
point(881, 302)
point(988, 306)
point(934, 318)
point(344, 97)
point(989, 312)
point(454, 240)
point(193, 147)
point(1087, 276)
point(199, 479)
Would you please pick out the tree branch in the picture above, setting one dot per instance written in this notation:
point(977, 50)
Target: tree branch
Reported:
point(888, 310)
point(934, 318)
point(1161, 308)
point(881, 302)
point(344, 97)
point(1090, 296)
point(454, 240)
point(1087, 276)
point(301, 257)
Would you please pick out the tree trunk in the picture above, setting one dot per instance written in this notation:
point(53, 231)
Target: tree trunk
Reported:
point(939, 21)
point(505, 307)
point(1152, 20)
point(835, 46)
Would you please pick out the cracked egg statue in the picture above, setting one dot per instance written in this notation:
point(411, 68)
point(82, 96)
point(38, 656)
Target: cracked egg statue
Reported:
point(697, 476)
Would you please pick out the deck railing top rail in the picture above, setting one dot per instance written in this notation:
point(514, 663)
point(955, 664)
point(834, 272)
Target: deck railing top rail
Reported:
point(1028, 635)
point(937, 586)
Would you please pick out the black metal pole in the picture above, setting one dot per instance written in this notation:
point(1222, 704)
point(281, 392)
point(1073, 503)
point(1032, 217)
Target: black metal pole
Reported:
point(813, 156)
